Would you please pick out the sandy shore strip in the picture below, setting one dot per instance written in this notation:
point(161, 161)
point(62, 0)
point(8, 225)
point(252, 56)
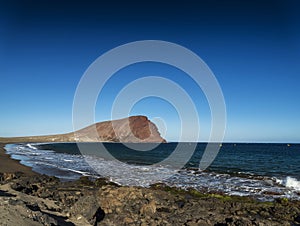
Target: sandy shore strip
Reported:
point(9, 165)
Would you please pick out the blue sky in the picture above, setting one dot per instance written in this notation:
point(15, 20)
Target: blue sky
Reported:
point(253, 48)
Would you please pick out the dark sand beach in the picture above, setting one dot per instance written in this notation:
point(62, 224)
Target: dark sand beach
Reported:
point(9, 165)
point(28, 198)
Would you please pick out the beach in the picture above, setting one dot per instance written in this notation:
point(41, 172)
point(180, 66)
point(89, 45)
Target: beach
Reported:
point(28, 198)
point(9, 165)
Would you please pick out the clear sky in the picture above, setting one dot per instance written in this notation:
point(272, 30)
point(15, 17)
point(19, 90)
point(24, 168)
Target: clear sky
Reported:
point(253, 48)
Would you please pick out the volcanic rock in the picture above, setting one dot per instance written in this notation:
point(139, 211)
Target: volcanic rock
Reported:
point(134, 129)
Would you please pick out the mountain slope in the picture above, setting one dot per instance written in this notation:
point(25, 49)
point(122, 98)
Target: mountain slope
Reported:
point(135, 129)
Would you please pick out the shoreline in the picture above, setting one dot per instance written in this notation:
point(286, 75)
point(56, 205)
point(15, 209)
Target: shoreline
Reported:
point(29, 198)
point(265, 188)
point(9, 165)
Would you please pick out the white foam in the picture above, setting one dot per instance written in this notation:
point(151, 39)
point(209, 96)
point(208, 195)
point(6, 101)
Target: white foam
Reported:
point(68, 160)
point(126, 174)
point(290, 182)
point(31, 146)
point(77, 171)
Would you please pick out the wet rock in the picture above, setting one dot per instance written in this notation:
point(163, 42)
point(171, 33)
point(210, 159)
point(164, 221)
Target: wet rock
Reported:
point(85, 181)
point(99, 182)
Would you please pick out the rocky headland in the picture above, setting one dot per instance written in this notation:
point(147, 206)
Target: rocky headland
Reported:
point(134, 129)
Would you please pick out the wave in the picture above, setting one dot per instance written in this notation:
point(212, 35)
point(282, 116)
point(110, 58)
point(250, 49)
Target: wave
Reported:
point(290, 182)
point(68, 160)
point(31, 146)
point(78, 172)
point(239, 183)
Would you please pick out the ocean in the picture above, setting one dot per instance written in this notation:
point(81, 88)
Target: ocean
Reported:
point(263, 171)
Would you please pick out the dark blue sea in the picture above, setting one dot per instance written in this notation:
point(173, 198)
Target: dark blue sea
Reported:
point(264, 171)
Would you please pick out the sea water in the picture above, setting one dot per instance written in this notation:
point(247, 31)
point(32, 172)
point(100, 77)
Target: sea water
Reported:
point(264, 171)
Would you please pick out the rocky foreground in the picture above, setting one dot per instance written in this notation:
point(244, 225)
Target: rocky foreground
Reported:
point(44, 200)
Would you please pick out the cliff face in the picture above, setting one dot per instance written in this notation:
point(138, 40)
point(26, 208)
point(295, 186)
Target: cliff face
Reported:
point(135, 129)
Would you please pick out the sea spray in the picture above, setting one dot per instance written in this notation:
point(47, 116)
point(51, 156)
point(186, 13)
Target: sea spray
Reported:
point(290, 182)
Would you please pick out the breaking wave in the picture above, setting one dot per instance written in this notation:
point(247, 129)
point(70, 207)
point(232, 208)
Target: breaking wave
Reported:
point(71, 166)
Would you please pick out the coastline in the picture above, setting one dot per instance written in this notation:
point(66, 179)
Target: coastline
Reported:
point(28, 198)
point(9, 165)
